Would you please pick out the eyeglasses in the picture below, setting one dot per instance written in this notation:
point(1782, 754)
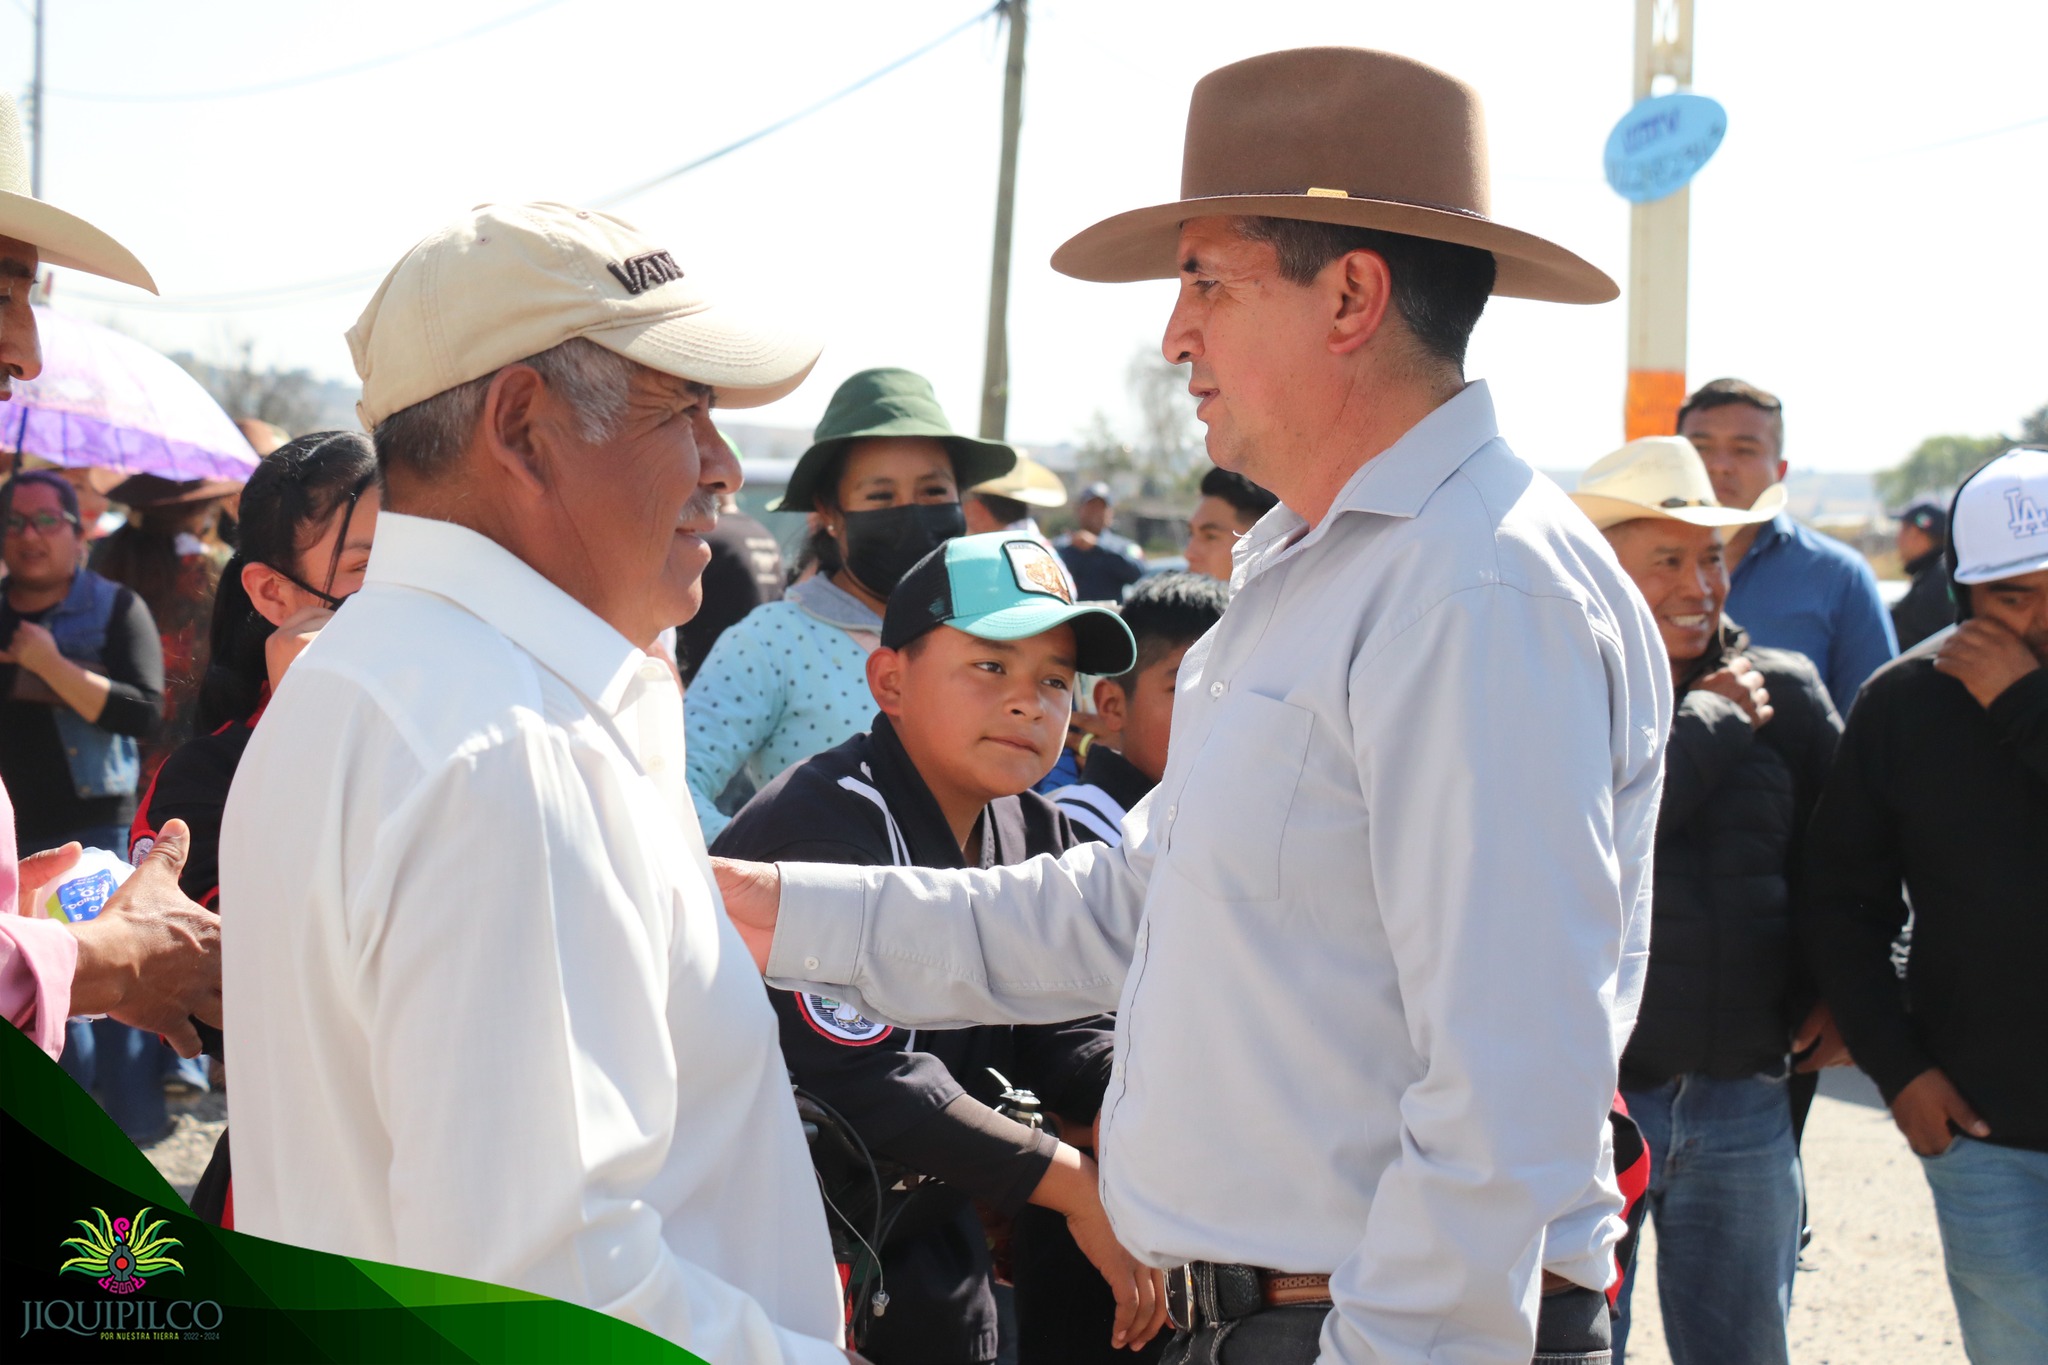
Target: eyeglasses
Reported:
point(348, 516)
point(45, 523)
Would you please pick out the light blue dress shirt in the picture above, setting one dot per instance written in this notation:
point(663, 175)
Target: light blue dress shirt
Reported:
point(1377, 937)
point(1799, 589)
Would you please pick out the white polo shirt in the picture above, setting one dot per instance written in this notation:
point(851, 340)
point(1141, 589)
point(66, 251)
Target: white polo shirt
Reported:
point(486, 1012)
point(1377, 937)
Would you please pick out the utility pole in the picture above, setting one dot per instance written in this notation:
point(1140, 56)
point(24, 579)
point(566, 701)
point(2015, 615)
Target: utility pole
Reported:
point(995, 375)
point(35, 104)
point(1658, 242)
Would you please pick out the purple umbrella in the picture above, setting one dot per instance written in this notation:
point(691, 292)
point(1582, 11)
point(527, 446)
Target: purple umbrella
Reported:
point(107, 401)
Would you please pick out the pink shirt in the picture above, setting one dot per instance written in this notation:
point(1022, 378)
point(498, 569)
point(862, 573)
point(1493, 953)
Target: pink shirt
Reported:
point(37, 956)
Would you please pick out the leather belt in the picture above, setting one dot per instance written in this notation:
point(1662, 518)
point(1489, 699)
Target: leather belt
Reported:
point(1205, 1292)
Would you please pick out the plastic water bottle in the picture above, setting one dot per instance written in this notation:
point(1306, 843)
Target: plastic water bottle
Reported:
point(83, 892)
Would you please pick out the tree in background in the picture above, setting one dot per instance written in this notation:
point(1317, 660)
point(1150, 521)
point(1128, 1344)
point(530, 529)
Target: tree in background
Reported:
point(1167, 446)
point(290, 399)
point(1941, 463)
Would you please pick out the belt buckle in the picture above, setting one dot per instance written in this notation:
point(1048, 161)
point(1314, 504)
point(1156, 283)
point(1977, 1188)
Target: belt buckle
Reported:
point(1181, 1308)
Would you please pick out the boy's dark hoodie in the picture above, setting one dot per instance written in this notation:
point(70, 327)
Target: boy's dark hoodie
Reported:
point(921, 1098)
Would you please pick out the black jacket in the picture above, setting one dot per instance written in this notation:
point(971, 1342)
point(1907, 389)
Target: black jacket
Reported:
point(1926, 607)
point(921, 1098)
point(1724, 985)
point(1952, 798)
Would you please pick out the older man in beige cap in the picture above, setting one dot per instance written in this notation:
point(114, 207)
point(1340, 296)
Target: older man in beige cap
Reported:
point(1376, 938)
point(488, 1017)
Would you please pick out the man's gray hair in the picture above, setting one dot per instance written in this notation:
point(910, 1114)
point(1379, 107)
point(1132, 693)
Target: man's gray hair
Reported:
point(428, 437)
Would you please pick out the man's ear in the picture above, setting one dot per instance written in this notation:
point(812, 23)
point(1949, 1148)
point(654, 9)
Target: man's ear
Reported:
point(512, 426)
point(1110, 706)
point(1782, 467)
point(1364, 290)
point(885, 679)
point(267, 591)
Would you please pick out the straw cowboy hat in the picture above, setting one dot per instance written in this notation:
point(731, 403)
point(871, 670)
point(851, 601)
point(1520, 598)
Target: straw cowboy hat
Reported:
point(1028, 482)
point(1335, 135)
point(1664, 478)
point(60, 238)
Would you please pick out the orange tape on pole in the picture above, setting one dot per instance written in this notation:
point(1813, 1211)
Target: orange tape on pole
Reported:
point(1654, 398)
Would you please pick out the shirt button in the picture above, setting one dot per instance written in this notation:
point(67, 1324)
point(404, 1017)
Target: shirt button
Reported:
point(656, 763)
point(651, 671)
point(1216, 689)
point(1171, 812)
point(810, 964)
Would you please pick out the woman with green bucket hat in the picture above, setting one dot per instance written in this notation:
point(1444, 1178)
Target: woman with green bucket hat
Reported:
point(883, 479)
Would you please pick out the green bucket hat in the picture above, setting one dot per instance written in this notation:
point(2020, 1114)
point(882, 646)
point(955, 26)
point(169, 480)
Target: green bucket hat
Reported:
point(888, 402)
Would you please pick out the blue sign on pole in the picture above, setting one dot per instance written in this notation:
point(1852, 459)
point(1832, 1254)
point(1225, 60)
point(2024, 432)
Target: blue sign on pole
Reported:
point(1660, 145)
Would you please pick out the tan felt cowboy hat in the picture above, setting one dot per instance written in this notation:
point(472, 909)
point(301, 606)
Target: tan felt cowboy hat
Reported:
point(59, 238)
point(1663, 477)
point(1335, 135)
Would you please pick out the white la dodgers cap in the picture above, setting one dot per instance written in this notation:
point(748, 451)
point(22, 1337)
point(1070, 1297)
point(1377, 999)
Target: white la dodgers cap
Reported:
point(2000, 525)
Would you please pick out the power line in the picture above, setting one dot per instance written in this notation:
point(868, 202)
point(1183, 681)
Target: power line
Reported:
point(1961, 138)
point(309, 291)
point(313, 78)
point(619, 196)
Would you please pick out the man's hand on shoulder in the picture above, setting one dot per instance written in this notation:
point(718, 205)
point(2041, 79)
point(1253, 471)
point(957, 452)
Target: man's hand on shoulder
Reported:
point(151, 958)
point(1985, 657)
point(1739, 681)
point(753, 897)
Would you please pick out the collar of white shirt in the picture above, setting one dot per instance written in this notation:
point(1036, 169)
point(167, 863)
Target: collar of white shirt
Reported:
point(1394, 483)
point(491, 583)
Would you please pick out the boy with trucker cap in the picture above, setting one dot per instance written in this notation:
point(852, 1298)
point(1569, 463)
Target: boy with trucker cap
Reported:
point(974, 679)
point(1941, 783)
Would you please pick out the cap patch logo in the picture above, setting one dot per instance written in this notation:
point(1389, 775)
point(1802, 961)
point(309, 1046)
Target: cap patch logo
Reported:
point(2027, 517)
point(1036, 569)
point(841, 1022)
point(643, 272)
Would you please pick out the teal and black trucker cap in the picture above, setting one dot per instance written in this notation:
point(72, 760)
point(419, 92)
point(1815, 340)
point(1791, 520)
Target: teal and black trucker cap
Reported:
point(1004, 586)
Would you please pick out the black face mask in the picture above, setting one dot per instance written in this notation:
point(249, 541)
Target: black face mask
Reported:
point(885, 544)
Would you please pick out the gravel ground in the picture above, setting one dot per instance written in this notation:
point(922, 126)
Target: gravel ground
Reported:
point(182, 1154)
point(1870, 1286)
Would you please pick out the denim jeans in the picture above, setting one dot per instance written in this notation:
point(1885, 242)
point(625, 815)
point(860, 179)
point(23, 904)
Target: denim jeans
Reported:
point(1992, 1204)
point(1725, 1199)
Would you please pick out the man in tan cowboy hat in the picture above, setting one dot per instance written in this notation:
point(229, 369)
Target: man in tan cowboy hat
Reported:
point(1376, 938)
point(34, 234)
point(1708, 1069)
point(151, 941)
point(465, 823)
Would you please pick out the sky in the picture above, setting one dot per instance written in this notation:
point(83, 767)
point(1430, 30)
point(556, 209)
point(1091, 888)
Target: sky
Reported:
point(1867, 242)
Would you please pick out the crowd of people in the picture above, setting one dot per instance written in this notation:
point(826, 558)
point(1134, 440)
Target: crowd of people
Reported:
point(1332, 951)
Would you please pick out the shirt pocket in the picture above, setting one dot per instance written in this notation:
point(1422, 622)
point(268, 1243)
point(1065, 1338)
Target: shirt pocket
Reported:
point(1226, 830)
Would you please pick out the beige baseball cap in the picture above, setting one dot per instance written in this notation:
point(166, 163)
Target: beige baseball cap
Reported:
point(1663, 477)
point(507, 281)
